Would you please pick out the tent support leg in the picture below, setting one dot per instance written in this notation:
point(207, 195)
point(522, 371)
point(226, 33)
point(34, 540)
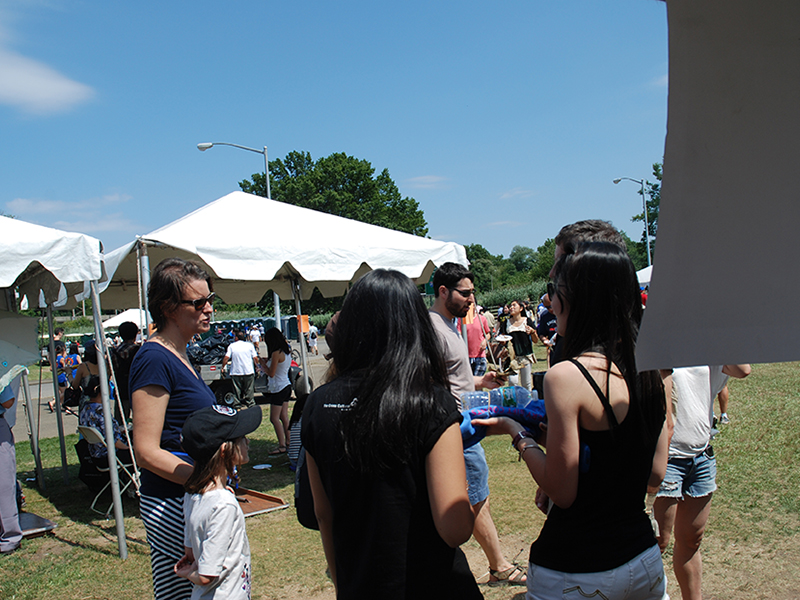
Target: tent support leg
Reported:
point(56, 398)
point(34, 432)
point(303, 353)
point(108, 414)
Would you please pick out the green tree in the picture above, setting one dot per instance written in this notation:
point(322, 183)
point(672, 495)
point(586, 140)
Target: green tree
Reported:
point(340, 185)
point(523, 258)
point(653, 191)
point(544, 260)
point(636, 251)
point(487, 268)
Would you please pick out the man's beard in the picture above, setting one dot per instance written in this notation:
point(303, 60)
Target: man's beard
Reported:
point(455, 309)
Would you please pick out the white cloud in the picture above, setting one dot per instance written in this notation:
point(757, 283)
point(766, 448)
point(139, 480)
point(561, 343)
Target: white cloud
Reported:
point(504, 224)
point(36, 88)
point(428, 182)
point(517, 192)
point(58, 208)
point(662, 81)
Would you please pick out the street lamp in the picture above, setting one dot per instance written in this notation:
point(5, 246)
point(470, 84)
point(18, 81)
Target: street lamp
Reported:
point(644, 207)
point(203, 146)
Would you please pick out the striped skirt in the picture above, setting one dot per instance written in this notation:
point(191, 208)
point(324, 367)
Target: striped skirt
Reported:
point(163, 522)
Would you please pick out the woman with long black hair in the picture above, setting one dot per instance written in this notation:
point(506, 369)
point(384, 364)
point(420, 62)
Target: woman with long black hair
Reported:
point(279, 388)
point(385, 457)
point(606, 439)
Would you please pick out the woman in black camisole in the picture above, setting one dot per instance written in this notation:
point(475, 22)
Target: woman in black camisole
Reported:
point(606, 439)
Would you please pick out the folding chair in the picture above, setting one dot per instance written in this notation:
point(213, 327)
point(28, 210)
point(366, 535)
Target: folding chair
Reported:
point(93, 436)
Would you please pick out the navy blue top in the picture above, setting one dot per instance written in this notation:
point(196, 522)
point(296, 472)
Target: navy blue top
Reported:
point(155, 365)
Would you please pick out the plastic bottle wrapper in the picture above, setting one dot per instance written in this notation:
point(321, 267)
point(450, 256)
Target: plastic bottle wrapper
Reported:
point(510, 397)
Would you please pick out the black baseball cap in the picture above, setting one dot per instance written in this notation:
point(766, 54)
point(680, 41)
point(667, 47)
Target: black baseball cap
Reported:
point(205, 430)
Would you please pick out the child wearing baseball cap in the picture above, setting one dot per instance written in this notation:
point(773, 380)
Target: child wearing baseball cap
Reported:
point(217, 556)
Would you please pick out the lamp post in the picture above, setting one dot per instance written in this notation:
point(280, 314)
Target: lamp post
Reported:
point(206, 145)
point(644, 207)
point(203, 146)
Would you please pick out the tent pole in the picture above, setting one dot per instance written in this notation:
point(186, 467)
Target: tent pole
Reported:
point(34, 432)
point(100, 345)
point(276, 300)
point(303, 354)
point(56, 396)
point(145, 273)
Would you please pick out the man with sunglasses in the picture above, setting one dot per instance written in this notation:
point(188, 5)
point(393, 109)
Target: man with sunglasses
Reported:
point(454, 291)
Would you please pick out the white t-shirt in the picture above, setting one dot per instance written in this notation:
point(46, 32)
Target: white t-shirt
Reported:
point(693, 393)
point(255, 335)
point(215, 532)
point(241, 355)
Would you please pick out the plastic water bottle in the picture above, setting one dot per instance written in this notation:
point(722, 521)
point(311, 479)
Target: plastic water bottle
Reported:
point(512, 396)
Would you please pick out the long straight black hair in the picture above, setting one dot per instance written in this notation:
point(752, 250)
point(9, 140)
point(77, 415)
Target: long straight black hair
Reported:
point(598, 283)
point(275, 340)
point(386, 343)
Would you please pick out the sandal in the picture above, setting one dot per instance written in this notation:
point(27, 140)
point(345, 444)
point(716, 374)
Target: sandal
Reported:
point(513, 575)
point(278, 450)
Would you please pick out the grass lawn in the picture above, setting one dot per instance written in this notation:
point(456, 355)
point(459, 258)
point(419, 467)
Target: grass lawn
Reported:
point(751, 548)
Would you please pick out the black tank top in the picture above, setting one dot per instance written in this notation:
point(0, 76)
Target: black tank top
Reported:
point(606, 525)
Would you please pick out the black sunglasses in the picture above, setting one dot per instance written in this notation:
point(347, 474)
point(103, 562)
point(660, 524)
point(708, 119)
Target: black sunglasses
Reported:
point(551, 290)
point(200, 303)
point(464, 293)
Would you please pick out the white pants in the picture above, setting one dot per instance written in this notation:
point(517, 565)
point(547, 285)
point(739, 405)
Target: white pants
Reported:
point(641, 578)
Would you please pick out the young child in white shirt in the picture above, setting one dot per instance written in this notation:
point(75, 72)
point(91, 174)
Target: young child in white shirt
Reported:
point(217, 556)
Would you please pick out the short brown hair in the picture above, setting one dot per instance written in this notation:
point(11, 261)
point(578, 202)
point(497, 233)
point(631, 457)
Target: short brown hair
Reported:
point(165, 291)
point(590, 230)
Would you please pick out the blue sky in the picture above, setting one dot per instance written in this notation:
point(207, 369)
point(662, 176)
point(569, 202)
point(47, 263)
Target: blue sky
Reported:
point(504, 121)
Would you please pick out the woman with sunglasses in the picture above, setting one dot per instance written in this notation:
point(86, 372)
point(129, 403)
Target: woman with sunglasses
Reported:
point(606, 439)
point(165, 390)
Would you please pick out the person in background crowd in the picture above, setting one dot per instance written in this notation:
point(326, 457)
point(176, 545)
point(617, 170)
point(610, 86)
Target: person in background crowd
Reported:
point(478, 336)
point(278, 385)
point(63, 374)
point(722, 398)
point(10, 530)
point(255, 336)
point(92, 416)
point(683, 502)
point(122, 359)
point(522, 330)
point(85, 371)
point(244, 360)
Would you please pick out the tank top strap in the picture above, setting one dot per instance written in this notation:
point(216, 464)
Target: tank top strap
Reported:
point(612, 418)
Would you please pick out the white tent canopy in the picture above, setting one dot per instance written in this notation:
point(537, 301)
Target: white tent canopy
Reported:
point(134, 315)
point(644, 275)
point(44, 264)
point(38, 260)
point(291, 244)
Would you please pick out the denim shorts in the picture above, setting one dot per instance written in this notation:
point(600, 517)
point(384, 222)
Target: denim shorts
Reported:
point(477, 474)
point(696, 477)
point(642, 577)
point(478, 366)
